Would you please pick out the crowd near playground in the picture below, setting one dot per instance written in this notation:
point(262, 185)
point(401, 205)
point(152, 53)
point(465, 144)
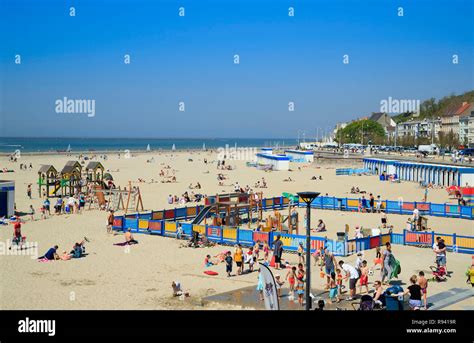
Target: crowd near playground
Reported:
point(185, 225)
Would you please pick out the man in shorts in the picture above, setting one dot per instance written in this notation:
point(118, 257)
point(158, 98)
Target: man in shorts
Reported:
point(329, 265)
point(353, 275)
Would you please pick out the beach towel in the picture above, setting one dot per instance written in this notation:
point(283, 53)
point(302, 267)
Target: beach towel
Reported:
point(125, 243)
point(211, 272)
point(44, 260)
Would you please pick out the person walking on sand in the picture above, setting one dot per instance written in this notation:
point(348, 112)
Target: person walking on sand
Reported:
point(238, 257)
point(228, 263)
point(28, 190)
point(291, 277)
point(329, 265)
point(266, 252)
point(387, 263)
point(423, 282)
point(278, 251)
point(110, 221)
point(300, 286)
point(353, 275)
point(300, 253)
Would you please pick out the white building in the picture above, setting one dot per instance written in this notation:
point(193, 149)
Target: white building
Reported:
point(420, 128)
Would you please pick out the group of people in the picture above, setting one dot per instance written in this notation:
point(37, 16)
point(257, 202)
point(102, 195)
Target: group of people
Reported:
point(184, 198)
point(78, 251)
point(371, 205)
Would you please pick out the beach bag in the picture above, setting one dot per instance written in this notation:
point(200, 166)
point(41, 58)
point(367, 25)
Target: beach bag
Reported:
point(396, 269)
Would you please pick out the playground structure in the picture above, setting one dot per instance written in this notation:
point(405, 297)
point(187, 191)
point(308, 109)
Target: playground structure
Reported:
point(113, 198)
point(70, 180)
point(227, 209)
point(95, 172)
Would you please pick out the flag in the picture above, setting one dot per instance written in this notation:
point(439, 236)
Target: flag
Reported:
point(269, 288)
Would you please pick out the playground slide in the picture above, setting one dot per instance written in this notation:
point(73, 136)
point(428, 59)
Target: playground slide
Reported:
point(200, 217)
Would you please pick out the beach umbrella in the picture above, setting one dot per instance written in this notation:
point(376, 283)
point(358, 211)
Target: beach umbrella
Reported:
point(203, 146)
point(68, 148)
point(148, 147)
point(173, 147)
point(107, 176)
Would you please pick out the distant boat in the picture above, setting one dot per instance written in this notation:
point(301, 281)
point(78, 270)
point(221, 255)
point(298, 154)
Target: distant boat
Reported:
point(68, 148)
point(173, 147)
point(203, 146)
point(148, 147)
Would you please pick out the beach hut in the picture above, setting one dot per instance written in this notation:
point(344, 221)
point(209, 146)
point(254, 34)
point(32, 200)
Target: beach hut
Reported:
point(95, 172)
point(7, 198)
point(439, 174)
point(48, 177)
point(268, 151)
point(300, 155)
point(277, 162)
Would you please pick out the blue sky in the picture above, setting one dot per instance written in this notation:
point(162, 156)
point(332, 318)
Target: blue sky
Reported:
point(190, 59)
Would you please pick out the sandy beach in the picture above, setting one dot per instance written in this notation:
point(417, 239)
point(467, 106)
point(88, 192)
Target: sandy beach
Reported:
point(140, 276)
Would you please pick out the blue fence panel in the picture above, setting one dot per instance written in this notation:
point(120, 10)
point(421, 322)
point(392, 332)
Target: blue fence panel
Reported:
point(396, 238)
point(131, 223)
point(437, 209)
point(328, 202)
point(466, 212)
point(336, 247)
point(317, 203)
point(187, 228)
point(245, 236)
point(145, 215)
point(393, 206)
point(180, 212)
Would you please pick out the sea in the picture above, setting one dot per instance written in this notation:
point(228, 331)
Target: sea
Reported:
point(47, 145)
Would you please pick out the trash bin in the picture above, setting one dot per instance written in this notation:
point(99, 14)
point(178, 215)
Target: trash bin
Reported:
point(393, 303)
point(341, 236)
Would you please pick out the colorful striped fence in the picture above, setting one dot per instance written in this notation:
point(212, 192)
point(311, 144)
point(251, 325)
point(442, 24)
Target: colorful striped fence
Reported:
point(396, 207)
point(232, 235)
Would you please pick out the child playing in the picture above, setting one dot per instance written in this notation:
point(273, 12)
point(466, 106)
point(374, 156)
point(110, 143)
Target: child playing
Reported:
point(423, 282)
point(470, 274)
point(228, 263)
point(256, 251)
point(279, 283)
point(333, 289)
point(43, 212)
point(208, 262)
point(364, 277)
point(339, 278)
point(32, 213)
point(300, 286)
point(378, 257)
point(266, 251)
point(300, 253)
point(291, 277)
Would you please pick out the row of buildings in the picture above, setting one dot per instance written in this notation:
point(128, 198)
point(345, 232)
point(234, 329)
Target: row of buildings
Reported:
point(458, 120)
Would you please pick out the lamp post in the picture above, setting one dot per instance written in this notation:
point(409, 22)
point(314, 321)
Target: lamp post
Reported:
point(308, 197)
